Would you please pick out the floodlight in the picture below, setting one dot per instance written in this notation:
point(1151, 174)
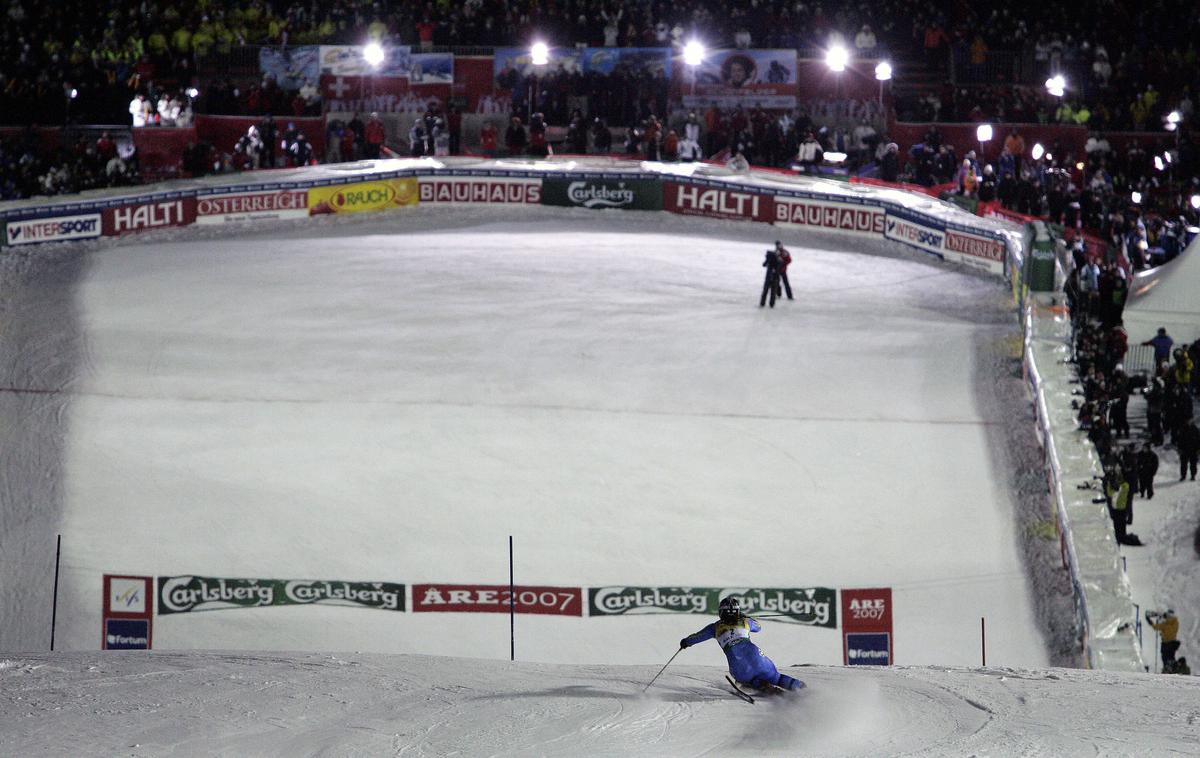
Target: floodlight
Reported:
point(373, 54)
point(539, 53)
point(693, 53)
point(836, 58)
point(883, 71)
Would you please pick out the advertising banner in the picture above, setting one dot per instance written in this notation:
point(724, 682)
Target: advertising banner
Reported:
point(867, 627)
point(639, 194)
point(744, 77)
point(511, 65)
point(717, 202)
point(184, 594)
point(431, 68)
point(362, 197)
point(53, 229)
point(292, 67)
point(986, 253)
point(347, 60)
point(828, 215)
point(140, 217)
point(811, 606)
point(251, 206)
point(475, 190)
point(606, 60)
point(486, 598)
point(912, 233)
point(127, 614)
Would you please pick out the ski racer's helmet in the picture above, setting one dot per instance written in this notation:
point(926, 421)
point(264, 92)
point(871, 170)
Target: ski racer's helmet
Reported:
point(730, 609)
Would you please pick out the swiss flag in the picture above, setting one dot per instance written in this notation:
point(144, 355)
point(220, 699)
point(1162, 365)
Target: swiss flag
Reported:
point(356, 87)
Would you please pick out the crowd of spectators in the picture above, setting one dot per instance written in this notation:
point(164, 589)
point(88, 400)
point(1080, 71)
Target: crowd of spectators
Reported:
point(28, 168)
point(1129, 452)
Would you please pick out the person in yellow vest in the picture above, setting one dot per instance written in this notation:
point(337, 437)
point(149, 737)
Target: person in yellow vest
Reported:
point(1117, 491)
point(1167, 626)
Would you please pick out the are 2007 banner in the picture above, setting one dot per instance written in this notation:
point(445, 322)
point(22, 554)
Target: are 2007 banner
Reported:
point(497, 598)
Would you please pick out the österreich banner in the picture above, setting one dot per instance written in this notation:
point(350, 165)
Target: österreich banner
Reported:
point(812, 606)
point(183, 594)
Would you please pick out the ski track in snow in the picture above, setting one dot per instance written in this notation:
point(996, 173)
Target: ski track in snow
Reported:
point(234, 704)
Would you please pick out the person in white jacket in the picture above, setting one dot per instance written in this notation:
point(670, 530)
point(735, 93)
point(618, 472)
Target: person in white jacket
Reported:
point(139, 109)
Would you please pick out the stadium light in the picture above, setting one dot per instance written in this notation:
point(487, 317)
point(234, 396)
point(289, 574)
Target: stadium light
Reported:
point(1079, 166)
point(192, 92)
point(883, 71)
point(373, 54)
point(1158, 163)
point(1195, 201)
point(836, 58)
point(539, 53)
point(693, 53)
point(1167, 156)
point(984, 133)
point(74, 93)
point(1136, 197)
point(1173, 117)
point(1056, 85)
point(1038, 151)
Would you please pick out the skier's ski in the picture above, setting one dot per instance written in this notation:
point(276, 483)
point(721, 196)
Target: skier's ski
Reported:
point(739, 691)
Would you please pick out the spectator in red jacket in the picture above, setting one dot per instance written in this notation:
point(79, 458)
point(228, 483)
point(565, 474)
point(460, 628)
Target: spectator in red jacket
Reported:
point(375, 136)
point(487, 139)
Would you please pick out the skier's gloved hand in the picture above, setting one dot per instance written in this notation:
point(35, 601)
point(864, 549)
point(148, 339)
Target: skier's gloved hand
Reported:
point(683, 643)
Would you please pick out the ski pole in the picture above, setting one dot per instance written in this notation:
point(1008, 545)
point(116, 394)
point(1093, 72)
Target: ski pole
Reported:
point(664, 668)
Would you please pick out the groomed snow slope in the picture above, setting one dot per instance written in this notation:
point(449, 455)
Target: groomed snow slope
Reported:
point(240, 704)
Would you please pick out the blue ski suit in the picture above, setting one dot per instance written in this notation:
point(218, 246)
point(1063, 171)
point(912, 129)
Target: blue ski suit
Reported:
point(747, 663)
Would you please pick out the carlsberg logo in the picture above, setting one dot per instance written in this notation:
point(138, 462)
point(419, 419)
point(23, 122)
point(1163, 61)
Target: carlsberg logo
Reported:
point(599, 195)
point(618, 600)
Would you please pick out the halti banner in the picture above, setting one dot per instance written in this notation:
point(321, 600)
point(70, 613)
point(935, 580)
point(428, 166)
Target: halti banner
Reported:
point(811, 606)
point(184, 594)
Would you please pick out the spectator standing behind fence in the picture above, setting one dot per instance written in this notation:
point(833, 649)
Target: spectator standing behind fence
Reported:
point(1147, 465)
point(539, 147)
point(488, 137)
point(1162, 343)
point(809, 154)
point(270, 139)
point(514, 137)
point(375, 135)
point(1187, 442)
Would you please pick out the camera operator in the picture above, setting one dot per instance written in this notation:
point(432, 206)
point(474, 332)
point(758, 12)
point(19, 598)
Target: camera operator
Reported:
point(1167, 626)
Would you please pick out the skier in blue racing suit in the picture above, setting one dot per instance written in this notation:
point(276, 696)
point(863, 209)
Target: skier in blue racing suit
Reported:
point(747, 664)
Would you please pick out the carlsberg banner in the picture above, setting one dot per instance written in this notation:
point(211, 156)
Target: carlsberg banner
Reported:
point(182, 594)
point(640, 194)
point(813, 606)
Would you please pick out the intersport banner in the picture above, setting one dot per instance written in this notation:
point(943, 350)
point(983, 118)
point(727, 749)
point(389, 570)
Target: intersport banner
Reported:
point(184, 594)
point(497, 598)
point(811, 606)
point(639, 194)
point(744, 77)
point(363, 197)
point(831, 216)
point(53, 229)
point(266, 205)
point(483, 189)
point(726, 202)
point(911, 232)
